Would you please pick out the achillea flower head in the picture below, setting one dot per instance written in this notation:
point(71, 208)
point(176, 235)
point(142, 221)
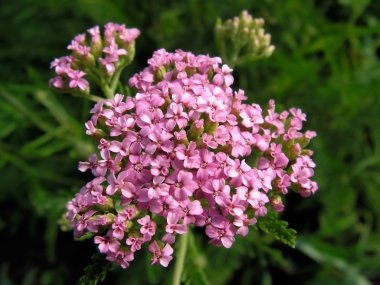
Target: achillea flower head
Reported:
point(94, 56)
point(179, 154)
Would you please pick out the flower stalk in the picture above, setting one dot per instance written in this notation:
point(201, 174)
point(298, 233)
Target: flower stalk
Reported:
point(180, 261)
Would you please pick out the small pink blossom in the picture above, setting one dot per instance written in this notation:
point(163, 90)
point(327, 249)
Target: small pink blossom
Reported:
point(57, 82)
point(107, 244)
point(121, 257)
point(77, 80)
point(173, 226)
point(243, 223)
point(189, 155)
point(135, 243)
point(183, 186)
point(221, 235)
point(148, 227)
point(161, 255)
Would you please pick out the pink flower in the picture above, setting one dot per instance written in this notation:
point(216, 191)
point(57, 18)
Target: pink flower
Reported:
point(209, 141)
point(108, 163)
point(262, 179)
point(176, 116)
point(109, 64)
point(234, 207)
point(95, 35)
point(238, 145)
point(107, 244)
point(85, 52)
point(135, 243)
point(119, 183)
point(222, 234)
point(113, 50)
point(84, 221)
point(240, 172)
point(173, 226)
point(121, 257)
point(159, 139)
point(57, 82)
point(279, 158)
point(161, 255)
point(160, 165)
point(129, 35)
point(77, 80)
point(163, 205)
point(148, 227)
point(158, 189)
point(243, 224)
point(207, 163)
point(190, 209)
point(298, 117)
point(62, 65)
point(258, 200)
point(92, 163)
point(137, 167)
point(222, 135)
point(251, 115)
point(224, 77)
point(189, 155)
point(219, 190)
point(118, 227)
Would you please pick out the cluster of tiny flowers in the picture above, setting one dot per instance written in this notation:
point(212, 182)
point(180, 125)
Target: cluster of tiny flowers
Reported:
point(186, 151)
point(96, 57)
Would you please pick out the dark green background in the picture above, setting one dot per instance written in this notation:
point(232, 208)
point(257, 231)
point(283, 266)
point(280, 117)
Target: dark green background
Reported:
point(326, 62)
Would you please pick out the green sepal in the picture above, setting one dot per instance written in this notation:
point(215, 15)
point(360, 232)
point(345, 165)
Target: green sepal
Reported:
point(86, 236)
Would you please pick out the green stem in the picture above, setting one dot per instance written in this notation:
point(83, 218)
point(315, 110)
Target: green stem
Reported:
point(115, 79)
point(247, 58)
point(107, 91)
point(109, 88)
point(180, 261)
point(88, 97)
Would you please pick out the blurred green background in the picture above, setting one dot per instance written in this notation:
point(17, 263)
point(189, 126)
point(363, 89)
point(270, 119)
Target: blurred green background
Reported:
point(326, 62)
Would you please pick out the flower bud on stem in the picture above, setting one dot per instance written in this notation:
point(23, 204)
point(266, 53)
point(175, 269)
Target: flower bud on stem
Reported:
point(242, 39)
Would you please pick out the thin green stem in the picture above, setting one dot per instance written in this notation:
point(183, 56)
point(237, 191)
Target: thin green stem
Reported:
point(107, 91)
point(180, 261)
point(115, 79)
point(109, 87)
point(90, 97)
point(246, 58)
point(237, 45)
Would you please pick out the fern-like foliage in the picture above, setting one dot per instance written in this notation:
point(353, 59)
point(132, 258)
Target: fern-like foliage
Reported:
point(97, 271)
point(277, 229)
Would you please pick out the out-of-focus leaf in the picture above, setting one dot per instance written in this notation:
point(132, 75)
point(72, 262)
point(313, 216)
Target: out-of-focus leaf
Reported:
point(4, 278)
point(330, 256)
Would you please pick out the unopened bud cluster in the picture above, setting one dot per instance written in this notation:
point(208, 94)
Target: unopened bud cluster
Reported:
point(243, 39)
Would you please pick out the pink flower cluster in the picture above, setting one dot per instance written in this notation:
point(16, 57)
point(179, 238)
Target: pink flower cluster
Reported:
point(186, 151)
point(96, 58)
